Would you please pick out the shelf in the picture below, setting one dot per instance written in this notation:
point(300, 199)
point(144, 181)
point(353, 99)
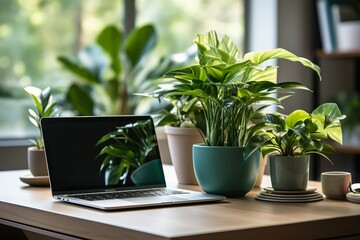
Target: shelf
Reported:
point(347, 149)
point(337, 54)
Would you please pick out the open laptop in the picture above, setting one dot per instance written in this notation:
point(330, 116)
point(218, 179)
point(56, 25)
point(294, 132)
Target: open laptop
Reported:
point(109, 162)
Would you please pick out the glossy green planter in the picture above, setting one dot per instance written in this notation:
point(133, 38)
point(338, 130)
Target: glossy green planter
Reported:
point(289, 173)
point(151, 173)
point(223, 170)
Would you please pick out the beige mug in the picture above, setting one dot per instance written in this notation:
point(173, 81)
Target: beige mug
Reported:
point(335, 184)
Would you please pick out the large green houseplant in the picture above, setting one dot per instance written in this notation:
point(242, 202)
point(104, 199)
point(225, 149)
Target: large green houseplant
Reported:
point(292, 139)
point(233, 90)
point(109, 71)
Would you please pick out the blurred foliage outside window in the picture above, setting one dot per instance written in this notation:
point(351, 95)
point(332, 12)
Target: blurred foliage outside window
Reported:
point(34, 32)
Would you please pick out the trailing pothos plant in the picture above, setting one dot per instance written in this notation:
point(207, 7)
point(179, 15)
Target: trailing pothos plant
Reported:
point(44, 106)
point(302, 133)
point(125, 149)
point(232, 89)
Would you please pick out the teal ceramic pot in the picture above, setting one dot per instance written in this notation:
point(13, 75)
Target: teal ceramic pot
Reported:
point(150, 173)
point(289, 173)
point(223, 170)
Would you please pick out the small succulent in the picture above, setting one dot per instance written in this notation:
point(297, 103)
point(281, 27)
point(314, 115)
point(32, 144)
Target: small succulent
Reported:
point(44, 106)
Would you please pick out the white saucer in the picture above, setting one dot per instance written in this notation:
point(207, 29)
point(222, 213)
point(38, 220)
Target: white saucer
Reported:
point(286, 198)
point(38, 181)
point(353, 197)
point(306, 191)
point(290, 196)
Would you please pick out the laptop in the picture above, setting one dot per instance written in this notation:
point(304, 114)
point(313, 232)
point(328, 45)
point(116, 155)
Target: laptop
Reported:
point(108, 163)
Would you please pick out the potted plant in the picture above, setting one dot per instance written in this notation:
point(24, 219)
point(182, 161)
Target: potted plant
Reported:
point(290, 140)
point(111, 70)
point(230, 88)
point(44, 106)
point(183, 125)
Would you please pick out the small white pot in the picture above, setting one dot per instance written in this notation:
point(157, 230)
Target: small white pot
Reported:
point(181, 141)
point(36, 161)
point(163, 145)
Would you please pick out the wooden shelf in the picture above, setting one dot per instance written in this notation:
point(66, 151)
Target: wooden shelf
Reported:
point(337, 54)
point(347, 149)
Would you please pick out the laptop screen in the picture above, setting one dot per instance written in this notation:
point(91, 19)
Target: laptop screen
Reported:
point(94, 153)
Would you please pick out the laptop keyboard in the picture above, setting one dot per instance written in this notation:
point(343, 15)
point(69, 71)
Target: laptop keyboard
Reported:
point(128, 194)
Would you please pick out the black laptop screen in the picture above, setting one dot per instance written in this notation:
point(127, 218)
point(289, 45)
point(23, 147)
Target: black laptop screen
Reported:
point(88, 153)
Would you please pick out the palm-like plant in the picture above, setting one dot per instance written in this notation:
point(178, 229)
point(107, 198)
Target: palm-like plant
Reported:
point(233, 90)
point(44, 107)
point(126, 149)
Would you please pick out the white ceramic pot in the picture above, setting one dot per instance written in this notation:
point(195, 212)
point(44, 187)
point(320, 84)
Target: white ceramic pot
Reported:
point(37, 161)
point(163, 145)
point(181, 141)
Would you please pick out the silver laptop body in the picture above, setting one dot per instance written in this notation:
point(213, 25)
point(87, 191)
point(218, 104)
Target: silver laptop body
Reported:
point(109, 162)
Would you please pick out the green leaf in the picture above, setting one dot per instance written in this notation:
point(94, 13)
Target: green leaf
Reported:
point(330, 110)
point(45, 97)
point(49, 110)
point(77, 69)
point(80, 100)
point(38, 105)
point(113, 174)
point(139, 43)
point(110, 39)
point(296, 117)
point(279, 53)
point(331, 124)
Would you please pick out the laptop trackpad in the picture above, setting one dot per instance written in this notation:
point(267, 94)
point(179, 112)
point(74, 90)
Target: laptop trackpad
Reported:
point(155, 199)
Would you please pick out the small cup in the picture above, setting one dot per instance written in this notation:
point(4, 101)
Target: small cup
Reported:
point(335, 184)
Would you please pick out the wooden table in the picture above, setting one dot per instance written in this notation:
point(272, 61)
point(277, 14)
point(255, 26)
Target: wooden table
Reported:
point(33, 210)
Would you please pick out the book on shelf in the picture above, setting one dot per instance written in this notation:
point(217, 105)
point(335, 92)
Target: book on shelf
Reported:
point(339, 23)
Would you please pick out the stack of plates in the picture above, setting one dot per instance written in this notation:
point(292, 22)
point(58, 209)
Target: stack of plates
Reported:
point(353, 197)
point(308, 195)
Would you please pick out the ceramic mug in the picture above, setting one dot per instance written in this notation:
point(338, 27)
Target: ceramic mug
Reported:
point(335, 184)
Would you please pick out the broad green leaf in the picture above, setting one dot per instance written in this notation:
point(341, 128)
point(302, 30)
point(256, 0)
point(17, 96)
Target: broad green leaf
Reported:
point(79, 70)
point(279, 53)
point(335, 134)
point(110, 39)
point(330, 110)
point(139, 43)
point(80, 100)
point(295, 117)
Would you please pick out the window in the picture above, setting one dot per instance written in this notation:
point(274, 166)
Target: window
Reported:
point(34, 32)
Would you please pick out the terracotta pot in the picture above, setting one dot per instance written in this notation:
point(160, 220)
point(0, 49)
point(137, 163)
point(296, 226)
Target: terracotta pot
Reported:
point(181, 141)
point(37, 161)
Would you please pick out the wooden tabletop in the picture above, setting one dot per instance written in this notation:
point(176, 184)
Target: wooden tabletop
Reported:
point(241, 218)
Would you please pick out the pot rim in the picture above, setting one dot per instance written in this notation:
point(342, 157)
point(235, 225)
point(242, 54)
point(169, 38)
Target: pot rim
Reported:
point(202, 145)
point(181, 131)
